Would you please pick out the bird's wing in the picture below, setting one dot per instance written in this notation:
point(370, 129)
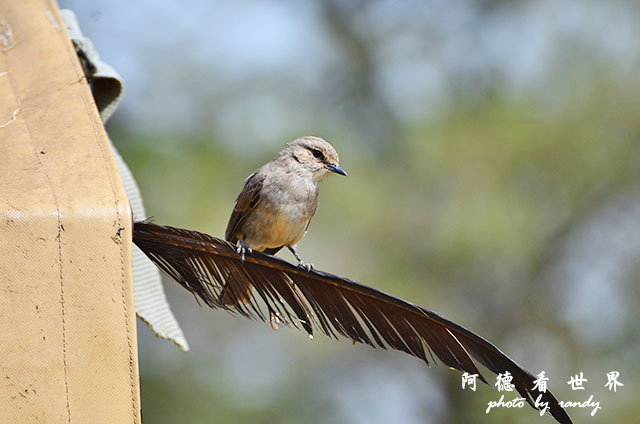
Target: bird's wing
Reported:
point(335, 305)
point(247, 200)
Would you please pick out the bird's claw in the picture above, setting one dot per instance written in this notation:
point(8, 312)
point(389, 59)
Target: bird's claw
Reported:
point(242, 249)
point(305, 266)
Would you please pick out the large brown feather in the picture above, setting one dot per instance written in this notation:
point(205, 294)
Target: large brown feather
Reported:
point(338, 306)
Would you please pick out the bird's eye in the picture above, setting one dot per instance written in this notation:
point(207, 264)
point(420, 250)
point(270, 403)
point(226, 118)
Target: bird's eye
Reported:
point(317, 154)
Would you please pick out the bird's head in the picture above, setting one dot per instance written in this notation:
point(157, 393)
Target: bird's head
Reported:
point(315, 155)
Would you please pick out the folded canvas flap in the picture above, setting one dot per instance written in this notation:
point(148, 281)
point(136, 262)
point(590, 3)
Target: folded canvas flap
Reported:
point(108, 87)
point(68, 350)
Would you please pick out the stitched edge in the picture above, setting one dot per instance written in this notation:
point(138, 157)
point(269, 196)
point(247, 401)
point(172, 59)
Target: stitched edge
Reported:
point(89, 106)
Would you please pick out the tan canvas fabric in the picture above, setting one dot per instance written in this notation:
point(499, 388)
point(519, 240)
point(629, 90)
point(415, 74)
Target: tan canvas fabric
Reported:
point(68, 343)
point(108, 88)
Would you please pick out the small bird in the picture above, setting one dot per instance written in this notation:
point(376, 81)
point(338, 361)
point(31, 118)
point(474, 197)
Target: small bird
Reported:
point(278, 200)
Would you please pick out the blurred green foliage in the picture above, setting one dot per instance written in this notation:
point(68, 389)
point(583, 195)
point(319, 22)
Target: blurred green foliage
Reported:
point(462, 208)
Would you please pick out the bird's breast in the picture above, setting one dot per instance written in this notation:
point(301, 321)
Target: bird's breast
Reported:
point(282, 216)
point(294, 203)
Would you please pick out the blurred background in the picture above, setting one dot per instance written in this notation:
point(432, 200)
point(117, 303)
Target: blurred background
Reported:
point(493, 151)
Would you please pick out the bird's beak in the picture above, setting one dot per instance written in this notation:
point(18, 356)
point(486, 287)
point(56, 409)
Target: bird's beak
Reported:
point(336, 168)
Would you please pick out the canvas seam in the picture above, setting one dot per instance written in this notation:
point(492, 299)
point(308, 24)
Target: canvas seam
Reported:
point(73, 60)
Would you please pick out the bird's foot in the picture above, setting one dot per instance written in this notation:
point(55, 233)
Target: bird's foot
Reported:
point(242, 249)
point(302, 265)
point(305, 266)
